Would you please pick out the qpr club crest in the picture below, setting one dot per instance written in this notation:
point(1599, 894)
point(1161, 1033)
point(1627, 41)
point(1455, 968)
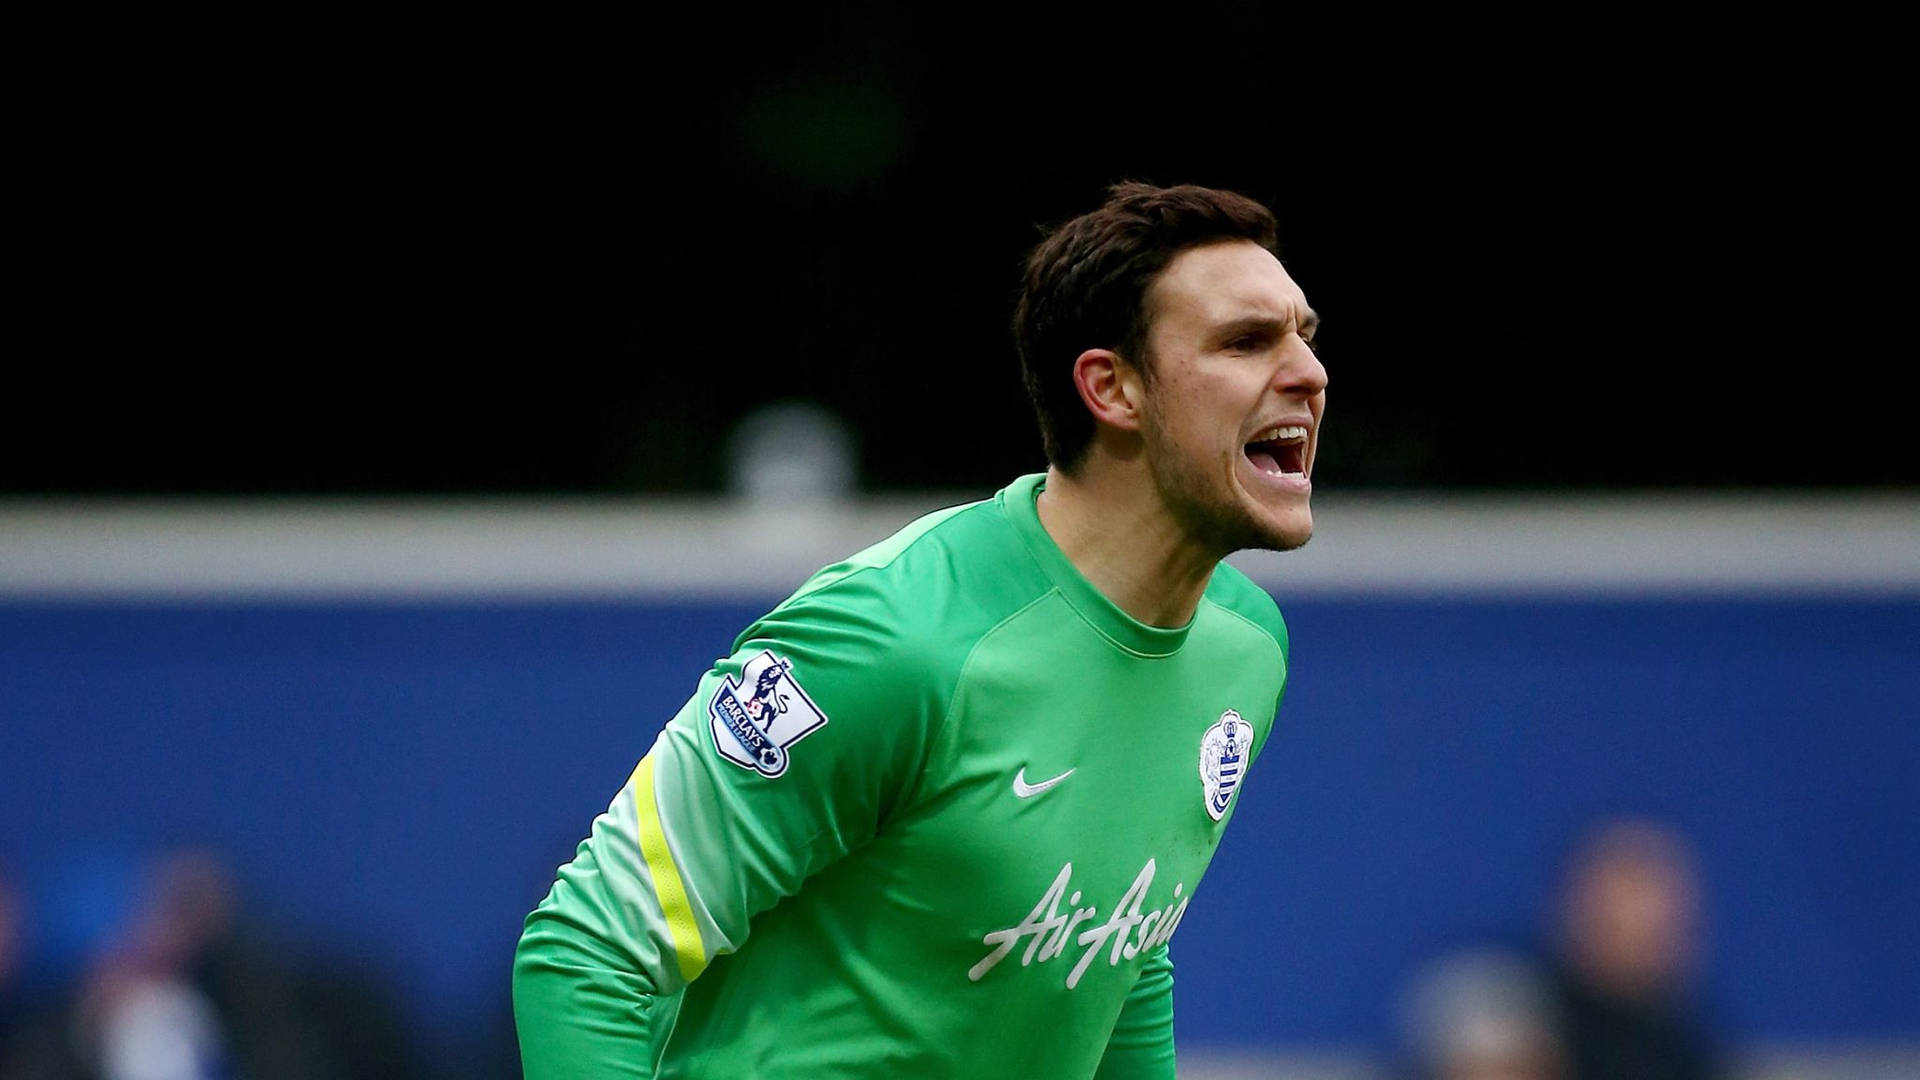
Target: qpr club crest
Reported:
point(1225, 751)
point(756, 717)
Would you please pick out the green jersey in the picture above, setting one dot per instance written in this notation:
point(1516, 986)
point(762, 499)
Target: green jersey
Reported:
point(937, 816)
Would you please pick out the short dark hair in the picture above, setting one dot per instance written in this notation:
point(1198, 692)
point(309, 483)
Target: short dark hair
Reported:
point(1085, 287)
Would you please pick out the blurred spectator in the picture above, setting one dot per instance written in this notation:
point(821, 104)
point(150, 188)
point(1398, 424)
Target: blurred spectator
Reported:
point(792, 452)
point(1628, 926)
point(1485, 1015)
point(11, 1006)
point(180, 991)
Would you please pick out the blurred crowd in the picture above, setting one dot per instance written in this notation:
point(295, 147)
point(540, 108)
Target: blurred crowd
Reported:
point(176, 984)
point(1606, 999)
point(179, 985)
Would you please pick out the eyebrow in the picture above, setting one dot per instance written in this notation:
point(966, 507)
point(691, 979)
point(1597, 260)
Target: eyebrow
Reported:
point(1309, 324)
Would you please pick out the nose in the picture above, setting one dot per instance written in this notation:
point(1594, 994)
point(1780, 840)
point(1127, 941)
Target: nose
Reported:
point(1301, 373)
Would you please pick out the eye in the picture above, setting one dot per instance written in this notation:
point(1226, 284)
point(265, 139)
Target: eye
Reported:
point(1251, 342)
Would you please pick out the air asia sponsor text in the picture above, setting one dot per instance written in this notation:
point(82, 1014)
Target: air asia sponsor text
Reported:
point(1126, 929)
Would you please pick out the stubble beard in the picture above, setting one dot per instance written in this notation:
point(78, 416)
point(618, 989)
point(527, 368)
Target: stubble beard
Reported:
point(1207, 508)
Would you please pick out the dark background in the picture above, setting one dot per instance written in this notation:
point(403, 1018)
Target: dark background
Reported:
point(474, 258)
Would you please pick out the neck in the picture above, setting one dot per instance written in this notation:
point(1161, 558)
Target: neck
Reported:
point(1112, 525)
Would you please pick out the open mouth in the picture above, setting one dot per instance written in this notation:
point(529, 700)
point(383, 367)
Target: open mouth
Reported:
point(1280, 451)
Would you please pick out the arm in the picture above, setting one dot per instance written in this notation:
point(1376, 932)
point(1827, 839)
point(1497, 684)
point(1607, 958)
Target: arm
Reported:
point(711, 829)
point(1141, 1046)
point(596, 969)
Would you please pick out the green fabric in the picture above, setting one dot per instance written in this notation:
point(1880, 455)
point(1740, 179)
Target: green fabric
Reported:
point(887, 905)
point(1141, 1046)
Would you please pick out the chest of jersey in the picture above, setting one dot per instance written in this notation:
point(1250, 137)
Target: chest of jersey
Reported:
point(1074, 797)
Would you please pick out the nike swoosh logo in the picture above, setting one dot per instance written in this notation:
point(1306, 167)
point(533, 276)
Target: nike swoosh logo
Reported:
point(1028, 791)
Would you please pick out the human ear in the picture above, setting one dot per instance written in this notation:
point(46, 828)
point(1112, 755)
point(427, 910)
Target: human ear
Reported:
point(1110, 387)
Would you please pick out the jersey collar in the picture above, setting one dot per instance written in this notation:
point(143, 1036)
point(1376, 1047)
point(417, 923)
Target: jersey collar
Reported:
point(1018, 501)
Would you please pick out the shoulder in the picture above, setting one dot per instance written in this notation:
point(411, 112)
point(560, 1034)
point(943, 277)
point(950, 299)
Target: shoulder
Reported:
point(1231, 591)
point(917, 600)
point(969, 543)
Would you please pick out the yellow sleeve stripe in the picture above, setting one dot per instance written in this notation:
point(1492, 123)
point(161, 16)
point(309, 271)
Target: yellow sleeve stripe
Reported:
point(667, 886)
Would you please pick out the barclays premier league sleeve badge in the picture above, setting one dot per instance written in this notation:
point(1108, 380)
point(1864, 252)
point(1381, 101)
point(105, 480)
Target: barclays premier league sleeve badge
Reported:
point(757, 716)
point(1225, 750)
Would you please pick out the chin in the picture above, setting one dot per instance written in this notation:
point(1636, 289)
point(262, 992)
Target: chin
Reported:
point(1292, 533)
point(1263, 528)
point(1276, 524)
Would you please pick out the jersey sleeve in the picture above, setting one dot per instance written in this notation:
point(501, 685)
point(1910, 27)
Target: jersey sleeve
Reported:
point(1141, 1046)
point(1236, 593)
point(791, 752)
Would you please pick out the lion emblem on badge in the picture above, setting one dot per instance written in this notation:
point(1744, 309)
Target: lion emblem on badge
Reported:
point(753, 727)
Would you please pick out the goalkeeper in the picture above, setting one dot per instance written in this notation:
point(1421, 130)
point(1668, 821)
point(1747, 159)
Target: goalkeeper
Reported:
point(941, 812)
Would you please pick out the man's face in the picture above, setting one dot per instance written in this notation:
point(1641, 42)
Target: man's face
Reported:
point(1232, 413)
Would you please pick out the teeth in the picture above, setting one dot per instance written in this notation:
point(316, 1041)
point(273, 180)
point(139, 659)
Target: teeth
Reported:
point(1282, 433)
point(1290, 431)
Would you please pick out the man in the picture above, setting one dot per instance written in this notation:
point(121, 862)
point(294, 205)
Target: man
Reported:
point(939, 813)
point(1629, 939)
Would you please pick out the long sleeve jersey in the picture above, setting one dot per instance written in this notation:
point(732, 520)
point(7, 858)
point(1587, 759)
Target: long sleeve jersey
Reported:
point(938, 815)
